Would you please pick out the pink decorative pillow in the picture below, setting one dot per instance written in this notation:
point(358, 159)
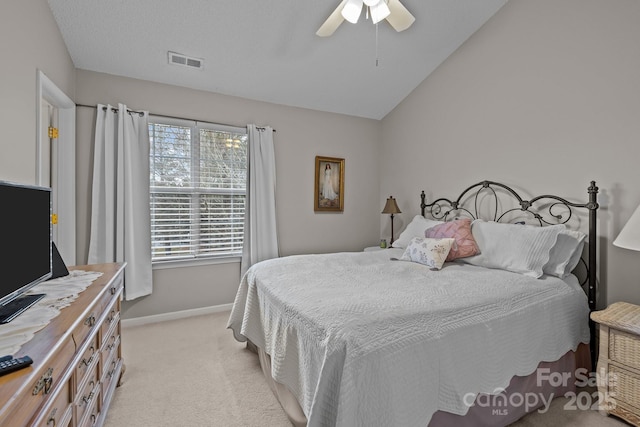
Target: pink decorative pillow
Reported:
point(460, 229)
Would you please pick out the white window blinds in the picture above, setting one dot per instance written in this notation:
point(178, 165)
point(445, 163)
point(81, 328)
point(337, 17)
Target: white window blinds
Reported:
point(198, 184)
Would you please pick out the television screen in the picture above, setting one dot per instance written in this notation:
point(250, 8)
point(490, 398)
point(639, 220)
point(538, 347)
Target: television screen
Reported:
point(25, 239)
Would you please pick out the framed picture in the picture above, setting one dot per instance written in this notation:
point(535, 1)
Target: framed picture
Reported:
point(329, 185)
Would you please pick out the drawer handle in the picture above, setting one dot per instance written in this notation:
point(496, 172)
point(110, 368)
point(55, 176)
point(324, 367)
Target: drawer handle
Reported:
point(87, 362)
point(44, 383)
point(87, 399)
point(90, 321)
point(113, 371)
point(52, 417)
point(111, 317)
point(113, 344)
point(113, 290)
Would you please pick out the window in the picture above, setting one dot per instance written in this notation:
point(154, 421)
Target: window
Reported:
point(198, 184)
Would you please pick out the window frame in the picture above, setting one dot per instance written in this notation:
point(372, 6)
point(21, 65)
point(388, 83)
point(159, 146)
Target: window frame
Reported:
point(195, 127)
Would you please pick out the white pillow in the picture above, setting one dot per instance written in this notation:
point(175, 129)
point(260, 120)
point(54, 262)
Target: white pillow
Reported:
point(416, 228)
point(523, 249)
point(565, 254)
point(430, 252)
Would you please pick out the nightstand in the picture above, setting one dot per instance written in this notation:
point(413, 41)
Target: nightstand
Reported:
point(373, 248)
point(618, 371)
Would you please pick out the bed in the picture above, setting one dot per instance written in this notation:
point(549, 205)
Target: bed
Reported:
point(432, 331)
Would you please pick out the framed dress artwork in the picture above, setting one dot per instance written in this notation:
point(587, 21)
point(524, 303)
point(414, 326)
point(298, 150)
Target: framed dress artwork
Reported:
point(329, 185)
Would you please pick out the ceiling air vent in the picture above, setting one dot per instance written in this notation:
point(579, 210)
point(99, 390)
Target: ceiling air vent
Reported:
point(185, 61)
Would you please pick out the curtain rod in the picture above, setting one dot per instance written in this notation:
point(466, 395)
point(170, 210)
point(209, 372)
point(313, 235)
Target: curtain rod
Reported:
point(115, 110)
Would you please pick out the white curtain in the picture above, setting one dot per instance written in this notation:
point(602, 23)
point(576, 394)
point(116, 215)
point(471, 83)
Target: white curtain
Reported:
point(120, 215)
point(260, 231)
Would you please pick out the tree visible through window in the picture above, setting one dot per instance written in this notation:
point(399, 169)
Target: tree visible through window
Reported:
point(198, 184)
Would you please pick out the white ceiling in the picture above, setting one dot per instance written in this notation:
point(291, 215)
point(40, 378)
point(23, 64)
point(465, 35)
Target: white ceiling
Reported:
point(267, 50)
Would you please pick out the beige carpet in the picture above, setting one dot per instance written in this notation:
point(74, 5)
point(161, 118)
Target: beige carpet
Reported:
point(191, 372)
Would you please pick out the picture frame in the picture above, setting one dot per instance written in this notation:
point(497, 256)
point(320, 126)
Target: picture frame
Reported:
point(329, 185)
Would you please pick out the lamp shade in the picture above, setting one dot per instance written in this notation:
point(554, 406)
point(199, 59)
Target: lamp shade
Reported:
point(391, 207)
point(629, 237)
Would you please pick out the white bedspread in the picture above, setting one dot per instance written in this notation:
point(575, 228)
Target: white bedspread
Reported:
point(361, 340)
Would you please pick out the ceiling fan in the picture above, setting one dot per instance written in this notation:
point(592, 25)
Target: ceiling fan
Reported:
point(392, 10)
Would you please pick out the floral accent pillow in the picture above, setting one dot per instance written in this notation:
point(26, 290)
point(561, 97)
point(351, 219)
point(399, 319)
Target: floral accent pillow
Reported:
point(430, 252)
point(460, 229)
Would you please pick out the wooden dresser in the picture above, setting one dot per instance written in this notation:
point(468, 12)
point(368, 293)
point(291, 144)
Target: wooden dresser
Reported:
point(618, 370)
point(77, 361)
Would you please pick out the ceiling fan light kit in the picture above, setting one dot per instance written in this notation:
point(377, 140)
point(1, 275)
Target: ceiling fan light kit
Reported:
point(379, 11)
point(352, 10)
point(392, 10)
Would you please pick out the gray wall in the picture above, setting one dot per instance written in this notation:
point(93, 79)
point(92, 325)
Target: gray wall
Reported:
point(301, 135)
point(545, 96)
point(29, 40)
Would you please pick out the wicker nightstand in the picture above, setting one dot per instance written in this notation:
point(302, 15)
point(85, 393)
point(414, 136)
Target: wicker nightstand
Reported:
point(618, 369)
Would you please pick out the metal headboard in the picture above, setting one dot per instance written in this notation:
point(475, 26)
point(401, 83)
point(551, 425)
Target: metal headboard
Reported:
point(543, 210)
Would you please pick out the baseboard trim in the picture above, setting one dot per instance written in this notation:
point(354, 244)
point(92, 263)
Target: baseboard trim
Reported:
point(137, 321)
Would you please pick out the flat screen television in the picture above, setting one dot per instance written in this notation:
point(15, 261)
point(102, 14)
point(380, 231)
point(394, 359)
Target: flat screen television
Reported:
point(25, 245)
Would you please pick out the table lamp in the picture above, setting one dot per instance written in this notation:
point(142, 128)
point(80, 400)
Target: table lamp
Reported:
point(391, 207)
point(629, 237)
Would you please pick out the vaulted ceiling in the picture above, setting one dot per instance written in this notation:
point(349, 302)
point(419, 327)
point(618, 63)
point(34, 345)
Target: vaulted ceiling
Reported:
point(267, 50)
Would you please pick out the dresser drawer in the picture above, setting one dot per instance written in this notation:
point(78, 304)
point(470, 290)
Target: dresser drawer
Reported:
point(624, 348)
point(110, 350)
point(91, 413)
point(86, 326)
point(109, 360)
point(88, 393)
point(59, 410)
point(111, 342)
point(117, 285)
point(115, 288)
point(109, 326)
point(88, 360)
point(106, 299)
point(50, 376)
point(111, 375)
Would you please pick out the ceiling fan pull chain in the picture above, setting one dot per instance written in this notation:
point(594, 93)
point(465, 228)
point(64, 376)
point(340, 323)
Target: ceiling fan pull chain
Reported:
point(376, 45)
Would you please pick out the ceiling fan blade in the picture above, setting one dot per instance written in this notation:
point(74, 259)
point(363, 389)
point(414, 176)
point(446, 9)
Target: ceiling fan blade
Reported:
point(400, 18)
point(333, 21)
